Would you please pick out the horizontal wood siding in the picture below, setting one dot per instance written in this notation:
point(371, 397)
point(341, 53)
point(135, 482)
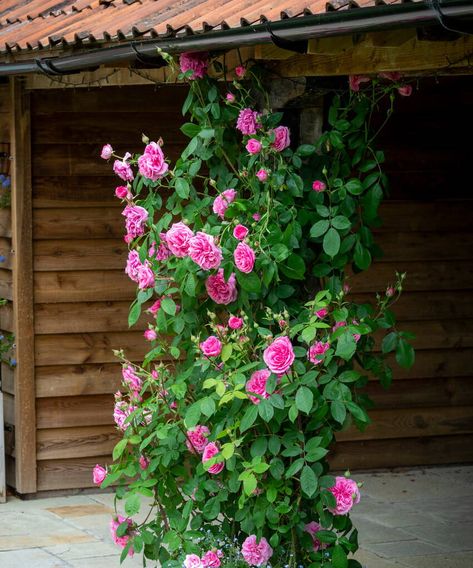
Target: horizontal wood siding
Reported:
point(82, 295)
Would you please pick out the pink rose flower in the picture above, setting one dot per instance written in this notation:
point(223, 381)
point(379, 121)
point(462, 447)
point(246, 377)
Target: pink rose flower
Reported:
point(316, 350)
point(234, 322)
point(240, 232)
point(230, 97)
point(222, 201)
point(256, 216)
point(121, 412)
point(204, 252)
point(99, 474)
point(279, 356)
point(390, 291)
point(144, 462)
point(123, 169)
point(321, 313)
point(197, 62)
point(405, 90)
point(346, 493)
point(211, 347)
point(121, 541)
point(338, 325)
point(177, 239)
point(244, 257)
point(356, 80)
point(313, 528)
point(145, 276)
point(390, 75)
point(131, 379)
point(152, 164)
point(356, 336)
point(247, 122)
point(150, 335)
point(154, 309)
point(163, 253)
point(197, 439)
point(262, 175)
point(253, 146)
point(210, 451)
point(192, 561)
point(221, 291)
point(136, 218)
point(257, 385)
point(282, 138)
point(319, 186)
point(211, 559)
point(121, 192)
point(133, 263)
point(256, 553)
point(106, 152)
point(240, 71)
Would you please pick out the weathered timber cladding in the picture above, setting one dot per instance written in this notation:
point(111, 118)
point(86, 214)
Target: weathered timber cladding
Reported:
point(81, 294)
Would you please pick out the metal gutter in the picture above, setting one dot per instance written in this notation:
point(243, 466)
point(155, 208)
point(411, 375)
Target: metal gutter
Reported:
point(339, 23)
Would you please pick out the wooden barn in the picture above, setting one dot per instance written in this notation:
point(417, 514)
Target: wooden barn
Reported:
point(77, 74)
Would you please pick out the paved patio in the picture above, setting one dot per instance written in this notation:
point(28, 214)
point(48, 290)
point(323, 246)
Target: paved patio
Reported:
point(414, 519)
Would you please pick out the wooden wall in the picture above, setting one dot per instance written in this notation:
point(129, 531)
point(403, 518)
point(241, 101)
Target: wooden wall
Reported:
point(81, 294)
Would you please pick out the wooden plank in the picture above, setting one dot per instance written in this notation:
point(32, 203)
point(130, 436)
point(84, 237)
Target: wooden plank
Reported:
point(88, 441)
point(3, 484)
point(6, 252)
point(402, 452)
point(77, 349)
point(68, 473)
point(88, 317)
point(9, 408)
point(6, 317)
point(437, 363)
point(5, 222)
point(66, 191)
point(8, 379)
point(428, 275)
point(6, 284)
point(75, 411)
point(86, 254)
point(83, 286)
point(5, 103)
point(79, 223)
point(410, 246)
point(25, 430)
point(73, 380)
point(413, 422)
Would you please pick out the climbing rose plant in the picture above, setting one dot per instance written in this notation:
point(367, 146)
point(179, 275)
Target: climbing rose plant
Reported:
point(241, 250)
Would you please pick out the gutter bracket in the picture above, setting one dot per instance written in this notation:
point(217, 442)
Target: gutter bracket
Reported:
point(148, 60)
point(287, 44)
point(48, 68)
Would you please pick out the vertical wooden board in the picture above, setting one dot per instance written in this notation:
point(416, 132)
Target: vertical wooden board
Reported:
point(3, 488)
point(22, 221)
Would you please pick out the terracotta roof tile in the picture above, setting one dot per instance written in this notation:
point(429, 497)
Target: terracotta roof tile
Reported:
point(35, 24)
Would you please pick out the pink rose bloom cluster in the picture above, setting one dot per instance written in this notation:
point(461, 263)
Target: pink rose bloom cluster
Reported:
point(210, 559)
point(313, 528)
point(204, 252)
point(121, 192)
point(152, 164)
point(211, 347)
point(257, 385)
point(256, 553)
point(262, 175)
point(197, 439)
point(197, 62)
point(235, 322)
point(240, 71)
point(154, 309)
point(339, 324)
point(144, 462)
point(210, 451)
point(150, 334)
point(121, 412)
point(123, 169)
point(247, 122)
point(131, 379)
point(346, 494)
point(321, 313)
point(135, 220)
point(177, 239)
point(121, 541)
point(319, 186)
point(355, 81)
point(221, 291)
point(244, 257)
point(222, 201)
point(140, 273)
point(240, 232)
point(106, 152)
point(253, 146)
point(279, 356)
point(99, 474)
point(282, 138)
point(316, 351)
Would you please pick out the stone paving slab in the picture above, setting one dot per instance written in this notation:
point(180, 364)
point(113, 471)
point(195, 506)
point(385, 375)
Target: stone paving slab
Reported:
point(407, 519)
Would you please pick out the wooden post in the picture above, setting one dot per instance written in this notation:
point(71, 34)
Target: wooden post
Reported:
point(22, 253)
point(3, 488)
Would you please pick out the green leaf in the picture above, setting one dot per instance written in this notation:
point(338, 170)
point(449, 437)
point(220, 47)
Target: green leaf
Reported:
point(280, 252)
point(134, 315)
point(341, 222)
point(119, 449)
point(389, 342)
point(338, 411)
point(316, 454)
point(226, 352)
point(132, 505)
point(354, 186)
point(331, 243)
point(249, 418)
point(192, 415)
point(249, 484)
point(305, 150)
point(405, 354)
point(362, 256)
point(294, 468)
point(211, 509)
point(319, 228)
point(190, 129)
point(169, 306)
point(207, 133)
point(339, 557)
point(304, 399)
point(308, 481)
point(265, 410)
point(294, 267)
point(182, 188)
point(249, 282)
point(190, 285)
point(357, 412)
point(207, 406)
point(346, 346)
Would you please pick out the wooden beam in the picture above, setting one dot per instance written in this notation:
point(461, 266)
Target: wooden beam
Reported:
point(375, 53)
point(22, 253)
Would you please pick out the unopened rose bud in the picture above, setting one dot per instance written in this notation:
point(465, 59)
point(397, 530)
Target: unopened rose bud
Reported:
point(390, 291)
point(144, 139)
point(160, 141)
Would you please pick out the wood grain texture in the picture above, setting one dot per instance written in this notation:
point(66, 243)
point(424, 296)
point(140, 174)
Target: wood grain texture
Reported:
point(79, 223)
point(73, 380)
point(6, 252)
point(25, 415)
point(59, 190)
point(5, 222)
point(87, 441)
point(73, 411)
point(73, 473)
point(6, 284)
